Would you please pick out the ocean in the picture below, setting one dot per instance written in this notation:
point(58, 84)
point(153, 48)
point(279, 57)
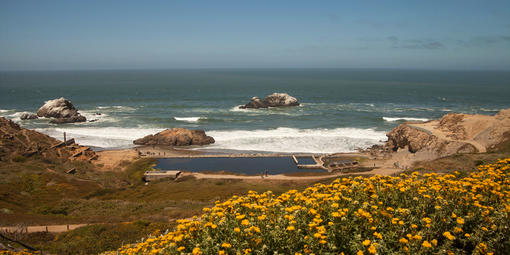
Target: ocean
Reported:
point(341, 109)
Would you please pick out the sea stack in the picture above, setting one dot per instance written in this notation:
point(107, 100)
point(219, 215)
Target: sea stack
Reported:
point(273, 100)
point(62, 110)
point(28, 116)
point(176, 137)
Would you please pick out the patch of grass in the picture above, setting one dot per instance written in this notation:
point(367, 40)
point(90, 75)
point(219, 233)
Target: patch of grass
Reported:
point(19, 158)
point(94, 239)
point(458, 162)
point(135, 170)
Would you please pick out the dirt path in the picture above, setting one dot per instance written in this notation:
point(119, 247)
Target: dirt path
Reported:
point(112, 159)
point(48, 228)
point(383, 170)
point(444, 135)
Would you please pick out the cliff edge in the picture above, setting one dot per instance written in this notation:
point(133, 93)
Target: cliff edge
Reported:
point(452, 134)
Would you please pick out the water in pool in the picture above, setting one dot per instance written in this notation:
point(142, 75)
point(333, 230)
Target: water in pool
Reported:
point(250, 166)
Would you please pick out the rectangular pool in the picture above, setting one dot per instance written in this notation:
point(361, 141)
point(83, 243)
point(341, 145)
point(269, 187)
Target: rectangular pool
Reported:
point(250, 166)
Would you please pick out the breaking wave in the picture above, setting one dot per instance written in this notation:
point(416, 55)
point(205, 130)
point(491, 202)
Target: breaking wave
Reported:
point(190, 119)
point(391, 119)
point(293, 140)
point(104, 137)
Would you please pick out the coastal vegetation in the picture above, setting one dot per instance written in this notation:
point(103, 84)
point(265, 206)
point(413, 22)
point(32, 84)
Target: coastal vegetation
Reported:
point(415, 213)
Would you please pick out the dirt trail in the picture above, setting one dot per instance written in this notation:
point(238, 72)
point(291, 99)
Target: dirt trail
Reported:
point(382, 170)
point(48, 228)
point(444, 135)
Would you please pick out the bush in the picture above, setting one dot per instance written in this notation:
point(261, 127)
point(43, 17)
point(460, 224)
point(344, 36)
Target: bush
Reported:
point(417, 214)
point(19, 158)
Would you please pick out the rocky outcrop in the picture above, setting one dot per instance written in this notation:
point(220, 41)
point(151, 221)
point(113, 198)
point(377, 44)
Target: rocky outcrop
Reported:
point(62, 110)
point(273, 100)
point(28, 116)
point(17, 143)
point(280, 99)
point(176, 137)
point(414, 139)
point(452, 134)
point(255, 103)
point(73, 119)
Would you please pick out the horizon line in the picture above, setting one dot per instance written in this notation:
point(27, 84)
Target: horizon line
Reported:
point(251, 68)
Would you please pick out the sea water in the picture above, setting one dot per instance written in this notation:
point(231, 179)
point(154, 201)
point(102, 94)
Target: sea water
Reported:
point(341, 109)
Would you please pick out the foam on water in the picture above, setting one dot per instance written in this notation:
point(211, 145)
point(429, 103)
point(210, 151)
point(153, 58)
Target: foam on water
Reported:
point(94, 116)
point(296, 140)
point(105, 137)
point(266, 111)
point(190, 119)
point(15, 116)
point(116, 108)
point(287, 140)
point(392, 119)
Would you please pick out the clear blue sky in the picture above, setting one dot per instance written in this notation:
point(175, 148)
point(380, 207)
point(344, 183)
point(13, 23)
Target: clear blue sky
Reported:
point(107, 34)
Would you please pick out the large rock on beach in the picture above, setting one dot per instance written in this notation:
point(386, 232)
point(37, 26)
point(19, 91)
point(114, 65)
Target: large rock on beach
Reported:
point(176, 137)
point(273, 100)
point(62, 110)
point(28, 116)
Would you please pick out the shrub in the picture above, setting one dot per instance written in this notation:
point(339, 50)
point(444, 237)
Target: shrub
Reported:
point(421, 214)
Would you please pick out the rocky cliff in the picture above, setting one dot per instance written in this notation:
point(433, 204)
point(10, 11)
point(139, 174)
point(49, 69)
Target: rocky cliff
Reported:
point(17, 143)
point(176, 137)
point(452, 134)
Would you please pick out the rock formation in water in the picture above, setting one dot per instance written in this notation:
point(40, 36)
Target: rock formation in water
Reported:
point(176, 137)
point(28, 116)
point(280, 99)
point(452, 134)
point(255, 103)
point(273, 100)
point(62, 110)
point(17, 143)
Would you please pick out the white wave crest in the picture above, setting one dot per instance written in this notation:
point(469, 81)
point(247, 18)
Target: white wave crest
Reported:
point(390, 119)
point(190, 119)
point(98, 116)
point(105, 137)
point(4, 111)
point(117, 108)
point(292, 140)
point(16, 115)
point(265, 111)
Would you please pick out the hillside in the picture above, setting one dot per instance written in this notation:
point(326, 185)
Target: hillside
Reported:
point(17, 143)
point(453, 134)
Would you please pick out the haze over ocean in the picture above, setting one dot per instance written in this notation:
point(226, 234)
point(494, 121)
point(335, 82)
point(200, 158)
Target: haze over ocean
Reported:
point(342, 109)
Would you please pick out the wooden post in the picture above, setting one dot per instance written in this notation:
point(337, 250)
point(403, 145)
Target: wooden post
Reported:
point(65, 139)
point(46, 229)
point(295, 159)
point(67, 226)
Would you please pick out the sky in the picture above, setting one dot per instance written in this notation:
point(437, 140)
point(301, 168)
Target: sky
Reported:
point(124, 34)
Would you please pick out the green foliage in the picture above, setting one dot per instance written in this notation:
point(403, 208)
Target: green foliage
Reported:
point(19, 158)
point(135, 170)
